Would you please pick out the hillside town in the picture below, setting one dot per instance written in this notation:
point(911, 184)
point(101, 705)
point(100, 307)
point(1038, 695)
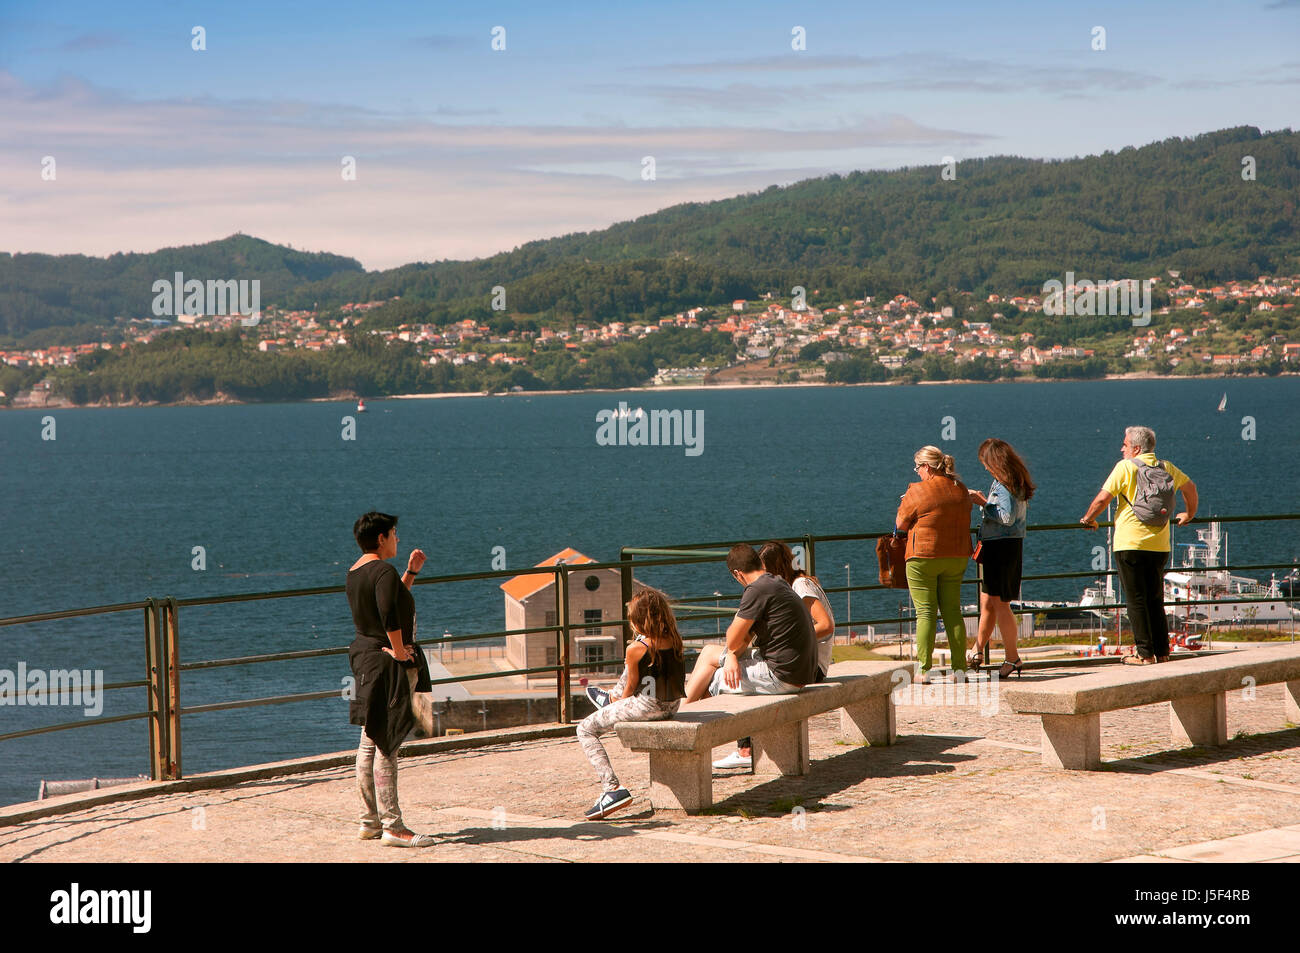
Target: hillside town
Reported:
point(895, 331)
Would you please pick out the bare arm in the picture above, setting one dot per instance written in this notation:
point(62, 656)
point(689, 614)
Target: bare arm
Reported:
point(822, 625)
point(738, 634)
point(1099, 503)
point(398, 651)
point(737, 639)
point(1188, 490)
point(413, 565)
point(631, 669)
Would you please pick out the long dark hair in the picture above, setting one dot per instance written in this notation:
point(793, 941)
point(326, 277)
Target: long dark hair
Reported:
point(1001, 459)
point(778, 559)
point(652, 616)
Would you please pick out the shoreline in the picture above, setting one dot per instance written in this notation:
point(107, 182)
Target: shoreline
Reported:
point(60, 404)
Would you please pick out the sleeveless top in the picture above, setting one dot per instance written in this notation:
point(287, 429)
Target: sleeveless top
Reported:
point(665, 679)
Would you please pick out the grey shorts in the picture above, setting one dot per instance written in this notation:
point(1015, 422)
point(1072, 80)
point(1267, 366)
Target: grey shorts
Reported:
point(755, 679)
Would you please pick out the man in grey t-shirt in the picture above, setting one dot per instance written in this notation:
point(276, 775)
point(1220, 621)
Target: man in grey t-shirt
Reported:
point(776, 620)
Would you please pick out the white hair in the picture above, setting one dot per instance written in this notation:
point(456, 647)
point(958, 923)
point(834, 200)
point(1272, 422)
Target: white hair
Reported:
point(1141, 439)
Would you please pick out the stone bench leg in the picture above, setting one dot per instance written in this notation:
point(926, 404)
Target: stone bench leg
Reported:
point(1199, 719)
point(681, 781)
point(782, 750)
point(1072, 741)
point(1291, 699)
point(873, 721)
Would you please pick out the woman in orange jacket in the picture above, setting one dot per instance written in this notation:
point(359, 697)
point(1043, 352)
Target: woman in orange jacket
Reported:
point(936, 515)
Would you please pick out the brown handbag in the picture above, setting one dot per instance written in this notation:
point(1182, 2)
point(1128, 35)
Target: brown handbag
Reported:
point(891, 551)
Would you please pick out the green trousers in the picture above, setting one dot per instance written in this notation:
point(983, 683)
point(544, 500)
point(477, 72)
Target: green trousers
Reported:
point(935, 584)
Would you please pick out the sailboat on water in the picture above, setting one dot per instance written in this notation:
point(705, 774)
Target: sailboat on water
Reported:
point(1223, 403)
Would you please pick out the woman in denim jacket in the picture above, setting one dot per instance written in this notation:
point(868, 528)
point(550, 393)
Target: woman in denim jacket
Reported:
point(1001, 536)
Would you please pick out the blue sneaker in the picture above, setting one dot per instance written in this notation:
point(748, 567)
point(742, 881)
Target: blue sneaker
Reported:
point(609, 802)
point(599, 697)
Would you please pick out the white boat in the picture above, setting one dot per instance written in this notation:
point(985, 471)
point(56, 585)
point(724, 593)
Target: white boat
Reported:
point(1199, 578)
point(361, 406)
point(1223, 403)
point(1225, 597)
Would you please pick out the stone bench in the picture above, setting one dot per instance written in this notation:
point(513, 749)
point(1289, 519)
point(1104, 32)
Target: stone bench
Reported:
point(1196, 689)
point(681, 749)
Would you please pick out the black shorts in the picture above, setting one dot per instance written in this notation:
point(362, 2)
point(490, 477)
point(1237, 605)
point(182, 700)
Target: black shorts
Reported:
point(1000, 559)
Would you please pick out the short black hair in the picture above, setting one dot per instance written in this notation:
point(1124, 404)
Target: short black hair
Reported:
point(370, 527)
point(743, 558)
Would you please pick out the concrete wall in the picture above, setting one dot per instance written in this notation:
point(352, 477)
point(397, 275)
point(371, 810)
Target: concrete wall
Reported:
point(507, 712)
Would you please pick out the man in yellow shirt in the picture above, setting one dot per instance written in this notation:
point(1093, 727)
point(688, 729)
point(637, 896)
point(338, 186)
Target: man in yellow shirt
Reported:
point(1142, 548)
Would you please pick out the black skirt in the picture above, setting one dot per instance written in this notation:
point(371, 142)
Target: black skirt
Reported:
point(1000, 559)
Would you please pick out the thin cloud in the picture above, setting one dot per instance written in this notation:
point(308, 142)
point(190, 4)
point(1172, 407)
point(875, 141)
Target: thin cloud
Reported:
point(134, 173)
point(442, 41)
point(787, 62)
point(735, 97)
point(905, 72)
point(207, 133)
point(88, 42)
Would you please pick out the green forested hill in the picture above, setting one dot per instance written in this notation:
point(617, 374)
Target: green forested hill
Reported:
point(1004, 224)
point(40, 291)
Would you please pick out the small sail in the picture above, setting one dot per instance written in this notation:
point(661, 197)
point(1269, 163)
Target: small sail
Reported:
point(1223, 403)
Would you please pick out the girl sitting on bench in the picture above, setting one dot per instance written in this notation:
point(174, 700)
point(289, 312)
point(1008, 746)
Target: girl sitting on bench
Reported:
point(651, 688)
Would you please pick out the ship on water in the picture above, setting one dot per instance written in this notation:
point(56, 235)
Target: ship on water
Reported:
point(1199, 591)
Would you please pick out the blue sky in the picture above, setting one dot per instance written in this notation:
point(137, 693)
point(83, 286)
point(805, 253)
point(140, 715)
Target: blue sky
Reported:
point(463, 151)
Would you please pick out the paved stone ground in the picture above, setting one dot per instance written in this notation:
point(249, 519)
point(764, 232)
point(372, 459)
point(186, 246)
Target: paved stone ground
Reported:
point(964, 783)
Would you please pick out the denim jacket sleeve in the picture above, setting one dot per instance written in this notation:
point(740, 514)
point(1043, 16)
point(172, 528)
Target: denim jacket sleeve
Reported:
point(1004, 515)
point(1000, 508)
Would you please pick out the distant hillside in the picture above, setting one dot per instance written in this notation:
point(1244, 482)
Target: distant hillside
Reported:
point(1004, 224)
point(39, 291)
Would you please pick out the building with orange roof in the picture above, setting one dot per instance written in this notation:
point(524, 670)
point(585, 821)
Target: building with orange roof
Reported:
point(594, 597)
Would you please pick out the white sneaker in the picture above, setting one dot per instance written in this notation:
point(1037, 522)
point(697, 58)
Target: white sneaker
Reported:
point(735, 760)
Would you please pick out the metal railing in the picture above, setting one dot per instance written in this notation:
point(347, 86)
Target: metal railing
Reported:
point(163, 665)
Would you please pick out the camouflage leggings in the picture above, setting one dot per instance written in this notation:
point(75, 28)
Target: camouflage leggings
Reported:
point(602, 721)
point(377, 784)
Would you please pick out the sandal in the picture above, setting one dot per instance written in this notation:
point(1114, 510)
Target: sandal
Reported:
point(1139, 660)
point(974, 661)
point(1010, 668)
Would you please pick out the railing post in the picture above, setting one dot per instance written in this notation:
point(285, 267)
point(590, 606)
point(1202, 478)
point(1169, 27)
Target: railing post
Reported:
point(625, 594)
point(155, 673)
point(566, 701)
point(979, 605)
point(560, 603)
point(171, 613)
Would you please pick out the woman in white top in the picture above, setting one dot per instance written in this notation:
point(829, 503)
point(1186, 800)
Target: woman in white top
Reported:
point(778, 559)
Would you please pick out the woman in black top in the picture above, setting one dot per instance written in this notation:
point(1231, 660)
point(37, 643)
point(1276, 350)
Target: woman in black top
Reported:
point(381, 656)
